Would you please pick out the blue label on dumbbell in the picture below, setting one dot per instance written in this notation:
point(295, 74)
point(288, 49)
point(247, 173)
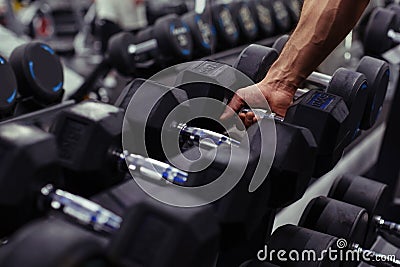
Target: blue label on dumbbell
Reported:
point(207, 32)
point(181, 34)
point(48, 49)
point(12, 96)
point(227, 23)
point(2, 61)
point(247, 20)
point(320, 100)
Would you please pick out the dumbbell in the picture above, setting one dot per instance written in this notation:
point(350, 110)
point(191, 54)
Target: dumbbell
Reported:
point(225, 25)
point(327, 249)
point(39, 75)
point(294, 7)
point(369, 194)
point(376, 73)
point(264, 17)
point(37, 150)
point(169, 39)
point(180, 236)
point(8, 94)
point(337, 218)
point(329, 130)
point(246, 20)
point(89, 138)
point(203, 32)
point(63, 243)
point(115, 234)
point(381, 32)
point(281, 15)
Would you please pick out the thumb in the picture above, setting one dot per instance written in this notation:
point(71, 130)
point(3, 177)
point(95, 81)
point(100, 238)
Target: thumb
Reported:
point(233, 107)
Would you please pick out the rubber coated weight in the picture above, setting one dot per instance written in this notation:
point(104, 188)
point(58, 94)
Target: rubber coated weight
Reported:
point(376, 40)
point(245, 19)
point(336, 218)
point(119, 55)
point(281, 15)
point(38, 71)
point(8, 90)
point(280, 43)
point(396, 9)
point(371, 195)
point(353, 88)
point(173, 36)
point(377, 73)
point(294, 8)
point(63, 243)
point(227, 29)
point(295, 238)
point(255, 61)
point(329, 113)
point(85, 133)
point(156, 234)
point(203, 33)
point(264, 16)
point(36, 151)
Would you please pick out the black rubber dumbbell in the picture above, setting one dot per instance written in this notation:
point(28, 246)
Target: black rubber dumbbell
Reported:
point(225, 25)
point(8, 94)
point(112, 235)
point(203, 33)
point(180, 236)
point(339, 219)
point(326, 248)
point(169, 41)
point(39, 75)
point(281, 14)
point(20, 186)
point(381, 32)
point(264, 17)
point(329, 130)
point(63, 243)
point(371, 195)
point(376, 73)
point(246, 21)
point(89, 137)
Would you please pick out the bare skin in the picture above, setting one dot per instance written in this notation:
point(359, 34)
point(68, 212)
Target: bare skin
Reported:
point(322, 26)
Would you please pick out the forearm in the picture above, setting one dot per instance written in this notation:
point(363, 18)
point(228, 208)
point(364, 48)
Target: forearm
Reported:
point(322, 26)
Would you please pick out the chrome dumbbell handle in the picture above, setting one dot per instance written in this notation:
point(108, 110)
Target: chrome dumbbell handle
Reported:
point(82, 210)
point(205, 137)
point(153, 169)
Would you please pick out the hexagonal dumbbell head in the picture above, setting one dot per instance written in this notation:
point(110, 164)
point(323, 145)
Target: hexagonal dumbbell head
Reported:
point(28, 162)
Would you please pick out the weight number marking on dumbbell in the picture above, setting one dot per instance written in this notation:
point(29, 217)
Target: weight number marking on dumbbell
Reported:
point(180, 34)
point(321, 100)
point(205, 137)
point(280, 10)
point(84, 211)
point(206, 30)
point(226, 21)
point(154, 169)
point(247, 19)
point(264, 15)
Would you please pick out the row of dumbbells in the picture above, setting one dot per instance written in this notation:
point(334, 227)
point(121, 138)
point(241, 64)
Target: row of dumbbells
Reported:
point(88, 137)
point(346, 228)
point(221, 26)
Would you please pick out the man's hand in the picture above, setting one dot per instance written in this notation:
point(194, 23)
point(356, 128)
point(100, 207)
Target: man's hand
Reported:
point(278, 97)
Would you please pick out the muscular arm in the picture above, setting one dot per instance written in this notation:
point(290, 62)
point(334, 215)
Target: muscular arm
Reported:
point(322, 26)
